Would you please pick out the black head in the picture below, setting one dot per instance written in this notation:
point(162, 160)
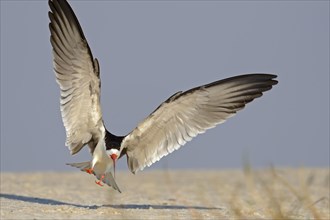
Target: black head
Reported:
point(113, 142)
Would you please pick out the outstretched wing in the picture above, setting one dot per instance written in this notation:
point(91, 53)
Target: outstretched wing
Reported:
point(77, 74)
point(187, 114)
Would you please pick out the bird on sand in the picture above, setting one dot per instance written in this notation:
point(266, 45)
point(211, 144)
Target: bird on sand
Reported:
point(176, 121)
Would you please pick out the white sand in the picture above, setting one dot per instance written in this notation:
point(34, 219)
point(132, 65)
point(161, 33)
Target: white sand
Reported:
point(294, 193)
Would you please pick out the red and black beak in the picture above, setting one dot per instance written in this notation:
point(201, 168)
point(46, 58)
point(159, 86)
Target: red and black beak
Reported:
point(114, 158)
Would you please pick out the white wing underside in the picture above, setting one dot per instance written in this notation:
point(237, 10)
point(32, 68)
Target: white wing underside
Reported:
point(171, 125)
point(185, 115)
point(78, 77)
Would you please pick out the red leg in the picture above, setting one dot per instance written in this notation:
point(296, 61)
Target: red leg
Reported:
point(90, 170)
point(99, 182)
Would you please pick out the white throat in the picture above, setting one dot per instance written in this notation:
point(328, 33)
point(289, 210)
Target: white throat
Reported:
point(113, 151)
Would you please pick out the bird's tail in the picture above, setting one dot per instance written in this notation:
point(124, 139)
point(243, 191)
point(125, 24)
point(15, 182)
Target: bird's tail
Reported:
point(83, 166)
point(110, 181)
point(108, 178)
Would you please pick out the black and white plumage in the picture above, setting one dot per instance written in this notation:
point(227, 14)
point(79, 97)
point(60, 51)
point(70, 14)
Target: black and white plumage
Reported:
point(77, 74)
point(176, 121)
point(187, 114)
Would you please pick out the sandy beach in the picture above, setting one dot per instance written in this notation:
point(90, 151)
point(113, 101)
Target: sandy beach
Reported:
point(223, 194)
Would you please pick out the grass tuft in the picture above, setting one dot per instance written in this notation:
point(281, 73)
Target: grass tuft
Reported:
point(272, 195)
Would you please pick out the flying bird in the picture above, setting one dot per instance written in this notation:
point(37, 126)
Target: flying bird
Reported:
point(176, 121)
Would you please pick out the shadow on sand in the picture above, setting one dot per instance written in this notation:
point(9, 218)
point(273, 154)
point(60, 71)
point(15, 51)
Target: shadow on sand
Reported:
point(118, 206)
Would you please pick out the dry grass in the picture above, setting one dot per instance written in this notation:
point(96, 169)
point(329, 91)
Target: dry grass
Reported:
point(271, 195)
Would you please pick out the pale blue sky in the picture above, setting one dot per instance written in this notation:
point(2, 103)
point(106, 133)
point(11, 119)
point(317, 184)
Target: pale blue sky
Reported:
point(150, 50)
